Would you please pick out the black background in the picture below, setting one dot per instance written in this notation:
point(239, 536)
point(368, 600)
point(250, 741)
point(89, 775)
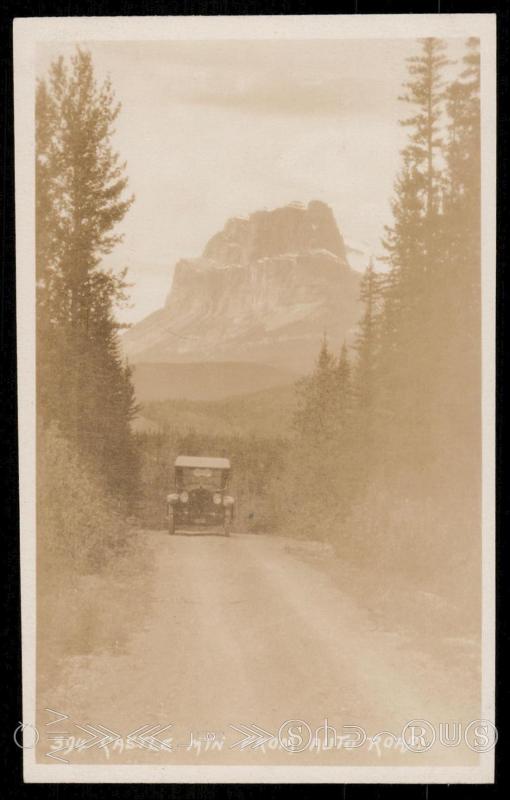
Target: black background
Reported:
point(10, 652)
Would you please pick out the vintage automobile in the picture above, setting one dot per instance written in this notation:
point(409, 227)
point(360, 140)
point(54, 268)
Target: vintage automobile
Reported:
point(200, 501)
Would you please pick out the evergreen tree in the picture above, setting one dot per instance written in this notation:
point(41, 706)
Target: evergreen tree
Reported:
point(462, 204)
point(458, 367)
point(463, 150)
point(418, 204)
point(410, 328)
point(404, 250)
point(315, 417)
point(402, 315)
point(425, 93)
point(366, 342)
point(80, 194)
point(344, 399)
point(415, 383)
point(312, 467)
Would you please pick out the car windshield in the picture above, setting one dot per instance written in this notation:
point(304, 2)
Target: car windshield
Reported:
point(200, 476)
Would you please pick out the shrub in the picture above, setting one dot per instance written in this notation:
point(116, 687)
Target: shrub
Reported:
point(80, 528)
point(92, 569)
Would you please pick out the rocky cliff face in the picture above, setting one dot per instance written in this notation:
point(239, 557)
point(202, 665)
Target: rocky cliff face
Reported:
point(265, 289)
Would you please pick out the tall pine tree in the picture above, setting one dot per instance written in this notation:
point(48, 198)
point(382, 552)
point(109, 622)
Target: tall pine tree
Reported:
point(83, 385)
point(315, 418)
point(344, 390)
point(366, 342)
point(410, 344)
point(459, 365)
point(425, 94)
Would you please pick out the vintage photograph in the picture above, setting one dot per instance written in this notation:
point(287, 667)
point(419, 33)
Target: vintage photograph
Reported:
point(256, 287)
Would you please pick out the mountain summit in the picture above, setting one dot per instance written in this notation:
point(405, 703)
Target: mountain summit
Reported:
point(266, 289)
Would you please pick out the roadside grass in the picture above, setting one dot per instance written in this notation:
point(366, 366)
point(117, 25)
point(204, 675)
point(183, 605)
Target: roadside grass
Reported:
point(409, 554)
point(437, 625)
point(93, 568)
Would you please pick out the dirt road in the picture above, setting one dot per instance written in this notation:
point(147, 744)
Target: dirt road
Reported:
point(249, 630)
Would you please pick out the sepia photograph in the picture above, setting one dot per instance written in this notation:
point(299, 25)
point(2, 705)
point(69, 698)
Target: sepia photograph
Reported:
point(256, 287)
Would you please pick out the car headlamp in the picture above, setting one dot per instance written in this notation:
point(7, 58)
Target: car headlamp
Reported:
point(184, 497)
point(217, 498)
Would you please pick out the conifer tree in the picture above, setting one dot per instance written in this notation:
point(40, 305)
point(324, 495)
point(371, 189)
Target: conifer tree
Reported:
point(344, 388)
point(315, 417)
point(458, 366)
point(462, 205)
point(415, 382)
point(84, 385)
point(366, 342)
point(401, 290)
point(425, 94)
point(463, 150)
point(410, 328)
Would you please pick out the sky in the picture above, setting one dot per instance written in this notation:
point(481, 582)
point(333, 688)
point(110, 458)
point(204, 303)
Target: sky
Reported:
point(216, 129)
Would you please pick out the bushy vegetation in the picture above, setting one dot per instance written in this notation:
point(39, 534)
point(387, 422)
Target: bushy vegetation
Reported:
point(92, 568)
point(81, 527)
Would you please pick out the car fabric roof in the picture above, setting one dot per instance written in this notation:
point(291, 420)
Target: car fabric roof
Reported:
point(202, 461)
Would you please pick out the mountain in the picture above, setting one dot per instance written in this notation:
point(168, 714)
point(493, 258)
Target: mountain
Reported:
point(212, 380)
point(265, 289)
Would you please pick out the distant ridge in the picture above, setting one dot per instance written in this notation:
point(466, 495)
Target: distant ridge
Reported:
point(267, 412)
point(205, 381)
